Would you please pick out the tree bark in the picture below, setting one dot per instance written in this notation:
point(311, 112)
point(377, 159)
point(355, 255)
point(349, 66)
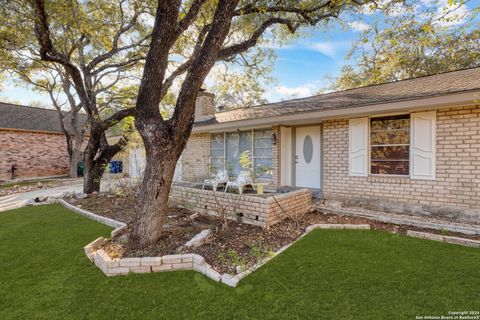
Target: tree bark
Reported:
point(154, 193)
point(75, 158)
point(165, 140)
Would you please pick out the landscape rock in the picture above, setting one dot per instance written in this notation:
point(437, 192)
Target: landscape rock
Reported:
point(81, 195)
point(199, 239)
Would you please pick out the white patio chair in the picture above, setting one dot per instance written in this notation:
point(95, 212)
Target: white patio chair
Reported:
point(244, 179)
point(220, 178)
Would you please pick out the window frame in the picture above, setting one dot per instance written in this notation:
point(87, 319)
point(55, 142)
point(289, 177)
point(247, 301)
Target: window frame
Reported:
point(253, 157)
point(409, 146)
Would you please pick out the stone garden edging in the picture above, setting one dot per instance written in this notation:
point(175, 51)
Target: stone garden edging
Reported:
point(441, 238)
point(192, 261)
point(189, 261)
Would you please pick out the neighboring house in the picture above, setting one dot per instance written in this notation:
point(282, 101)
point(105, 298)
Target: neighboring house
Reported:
point(31, 142)
point(415, 140)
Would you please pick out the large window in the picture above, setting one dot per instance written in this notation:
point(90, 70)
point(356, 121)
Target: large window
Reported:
point(390, 145)
point(242, 150)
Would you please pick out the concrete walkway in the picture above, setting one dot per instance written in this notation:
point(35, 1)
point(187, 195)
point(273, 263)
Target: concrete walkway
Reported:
point(18, 200)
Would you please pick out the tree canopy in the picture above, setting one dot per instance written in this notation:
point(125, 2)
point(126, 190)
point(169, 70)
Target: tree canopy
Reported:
point(413, 44)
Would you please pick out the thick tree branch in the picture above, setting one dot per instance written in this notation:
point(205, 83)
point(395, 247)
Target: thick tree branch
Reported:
point(190, 16)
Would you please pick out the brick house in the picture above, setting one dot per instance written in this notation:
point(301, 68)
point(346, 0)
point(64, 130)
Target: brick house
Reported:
point(414, 141)
point(32, 142)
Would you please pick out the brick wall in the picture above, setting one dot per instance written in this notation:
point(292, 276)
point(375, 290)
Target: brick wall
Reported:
point(458, 165)
point(195, 158)
point(35, 154)
point(258, 210)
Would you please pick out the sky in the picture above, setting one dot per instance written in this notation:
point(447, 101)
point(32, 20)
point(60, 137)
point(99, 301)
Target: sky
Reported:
point(302, 67)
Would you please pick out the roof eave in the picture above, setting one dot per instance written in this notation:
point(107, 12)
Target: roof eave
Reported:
point(452, 99)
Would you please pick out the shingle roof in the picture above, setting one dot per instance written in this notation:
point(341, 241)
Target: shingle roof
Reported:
point(14, 116)
point(422, 87)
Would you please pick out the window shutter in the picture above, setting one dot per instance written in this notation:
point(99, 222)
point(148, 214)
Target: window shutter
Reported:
point(358, 147)
point(423, 133)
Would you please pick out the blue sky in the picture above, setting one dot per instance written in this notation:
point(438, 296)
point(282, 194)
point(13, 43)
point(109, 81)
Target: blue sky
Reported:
point(302, 67)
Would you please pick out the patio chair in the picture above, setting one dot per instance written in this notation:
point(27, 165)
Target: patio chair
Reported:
point(244, 179)
point(220, 178)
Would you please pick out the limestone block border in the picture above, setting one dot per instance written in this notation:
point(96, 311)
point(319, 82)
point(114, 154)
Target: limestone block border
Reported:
point(190, 261)
point(440, 238)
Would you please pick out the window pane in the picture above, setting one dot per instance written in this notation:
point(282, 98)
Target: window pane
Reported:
point(245, 158)
point(390, 167)
point(390, 123)
point(263, 169)
point(216, 141)
point(390, 152)
point(263, 153)
point(389, 141)
point(263, 134)
point(217, 153)
point(401, 136)
point(233, 166)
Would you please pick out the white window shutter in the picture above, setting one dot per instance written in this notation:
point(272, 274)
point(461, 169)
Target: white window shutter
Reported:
point(423, 134)
point(358, 147)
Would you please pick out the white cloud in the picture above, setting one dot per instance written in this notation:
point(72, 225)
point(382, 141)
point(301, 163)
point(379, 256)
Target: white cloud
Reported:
point(332, 49)
point(298, 92)
point(450, 14)
point(359, 26)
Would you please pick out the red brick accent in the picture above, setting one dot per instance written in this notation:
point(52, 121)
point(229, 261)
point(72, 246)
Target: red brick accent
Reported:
point(36, 154)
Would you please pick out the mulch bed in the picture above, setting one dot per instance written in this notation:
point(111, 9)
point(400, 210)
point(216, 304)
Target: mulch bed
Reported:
point(108, 205)
point(230, 250)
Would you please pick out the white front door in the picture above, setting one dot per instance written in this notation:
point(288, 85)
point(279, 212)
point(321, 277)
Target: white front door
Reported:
point(308, 157)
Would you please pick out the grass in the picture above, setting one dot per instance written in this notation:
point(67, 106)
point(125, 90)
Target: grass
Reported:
point(329, 274)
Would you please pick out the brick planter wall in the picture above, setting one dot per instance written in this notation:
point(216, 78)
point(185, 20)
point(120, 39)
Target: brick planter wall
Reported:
point(262, 211)
point(457, 180)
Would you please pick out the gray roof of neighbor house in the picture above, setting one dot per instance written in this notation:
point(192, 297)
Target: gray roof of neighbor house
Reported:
point(409, 89)
point(20, 117)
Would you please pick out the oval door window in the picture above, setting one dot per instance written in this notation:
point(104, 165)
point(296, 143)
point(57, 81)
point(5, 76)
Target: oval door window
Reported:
point(307, 149)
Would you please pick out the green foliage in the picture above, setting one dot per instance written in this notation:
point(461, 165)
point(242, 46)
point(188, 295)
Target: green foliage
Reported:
point(246, 160)
point(406, 46)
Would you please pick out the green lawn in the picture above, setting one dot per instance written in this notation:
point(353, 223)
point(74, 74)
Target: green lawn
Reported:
point(330, 274)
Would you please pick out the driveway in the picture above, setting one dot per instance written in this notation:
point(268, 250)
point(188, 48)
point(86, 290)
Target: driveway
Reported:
point(18, 200)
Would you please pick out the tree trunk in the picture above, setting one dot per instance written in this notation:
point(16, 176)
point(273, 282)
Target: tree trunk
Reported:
point(92, 178)
point(94, 164)
point(152, 204)
point(74, 160)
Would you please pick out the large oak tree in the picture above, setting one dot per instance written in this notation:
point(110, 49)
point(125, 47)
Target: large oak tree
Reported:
point(211, 26)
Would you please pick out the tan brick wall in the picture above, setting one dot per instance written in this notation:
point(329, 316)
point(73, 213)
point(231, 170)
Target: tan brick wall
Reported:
point(263, 211)
point(457, 166)
point(195, 158)
point(35, 154)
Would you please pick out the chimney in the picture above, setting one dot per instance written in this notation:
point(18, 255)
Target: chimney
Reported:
point(204, 106)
